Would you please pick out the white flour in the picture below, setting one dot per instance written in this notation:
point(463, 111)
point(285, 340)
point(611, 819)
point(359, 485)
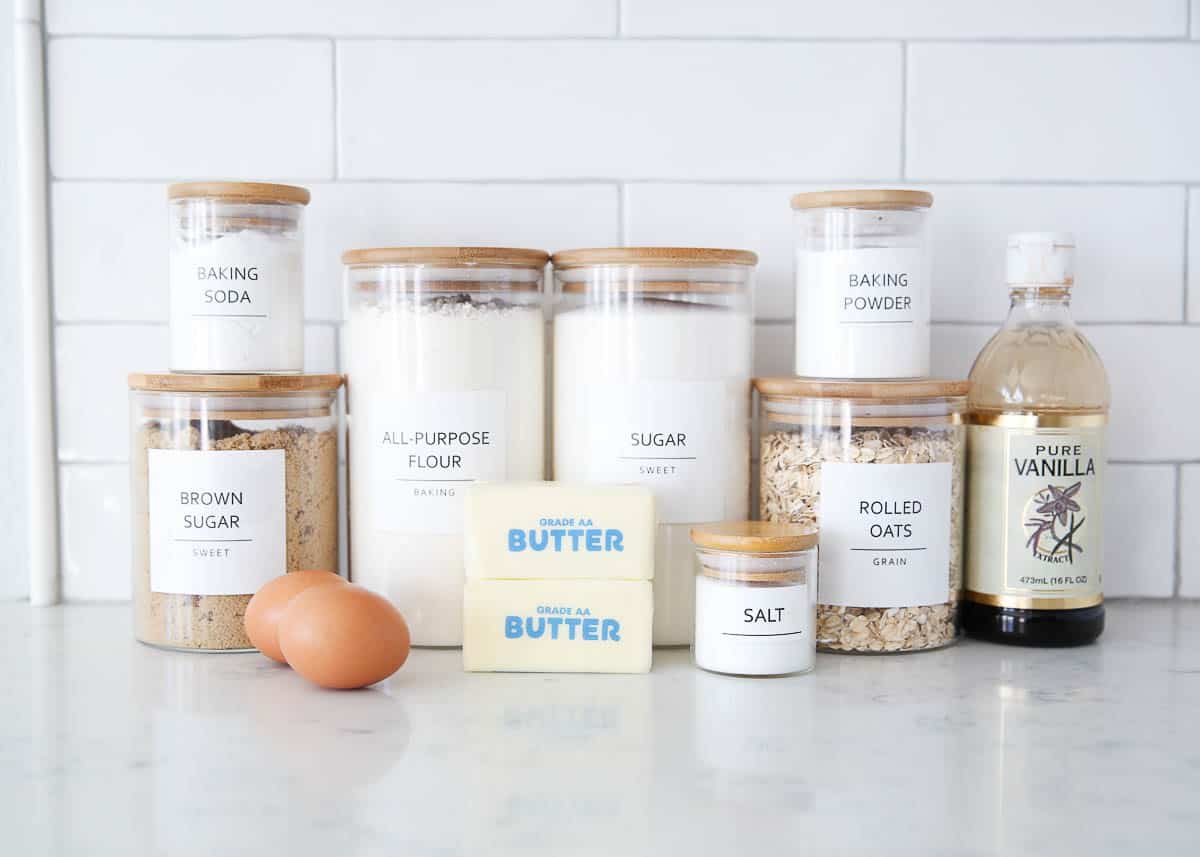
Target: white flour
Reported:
point(440, 395)
point(658, 393)
point(237, 304)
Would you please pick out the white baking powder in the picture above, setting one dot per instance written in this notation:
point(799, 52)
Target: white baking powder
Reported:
point(657, 392)
point(441, 394)
point(237, 303)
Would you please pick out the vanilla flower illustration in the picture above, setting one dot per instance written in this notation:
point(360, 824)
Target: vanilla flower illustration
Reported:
point(1060, 503)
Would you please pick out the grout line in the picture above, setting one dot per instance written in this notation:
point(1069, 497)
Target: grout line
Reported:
point(144, 322)
point(708, 182)
point(903, 110)
point(994, 322)
point(337, 125)
point(1178, 583)
point(567, 38)
point(622, 214)
point(1187, 227)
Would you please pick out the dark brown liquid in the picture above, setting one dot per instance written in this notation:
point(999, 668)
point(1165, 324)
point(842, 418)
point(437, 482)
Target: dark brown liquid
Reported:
point(1032, 627)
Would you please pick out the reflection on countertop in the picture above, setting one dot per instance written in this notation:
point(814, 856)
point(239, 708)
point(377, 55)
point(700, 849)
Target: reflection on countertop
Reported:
point(111, 747)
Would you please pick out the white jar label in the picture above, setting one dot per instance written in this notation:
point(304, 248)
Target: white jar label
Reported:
point(885, 534)
point(862, 313)
point(235, 276)
point(1036, 507)
point(218, 520)
point(429, 447)
point(754, 630)
point(665, 435)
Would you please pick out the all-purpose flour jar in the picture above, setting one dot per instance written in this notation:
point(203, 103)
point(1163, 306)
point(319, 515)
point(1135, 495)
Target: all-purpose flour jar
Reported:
point(862, 284)
point(237, 277)
point(652, 361)
point(444, 349)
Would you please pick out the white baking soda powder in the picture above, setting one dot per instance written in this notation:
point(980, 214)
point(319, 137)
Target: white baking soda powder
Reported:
point(237, 303)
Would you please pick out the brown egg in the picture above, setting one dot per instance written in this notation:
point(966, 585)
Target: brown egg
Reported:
point(267, 606)
point(343, 636)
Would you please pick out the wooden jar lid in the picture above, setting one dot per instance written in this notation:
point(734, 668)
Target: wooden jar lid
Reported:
point(178, 382)
point(669, 257)
point(864, 198)
point(449, 257)
point(754, 537)
point(248, 192)
point(882, 391)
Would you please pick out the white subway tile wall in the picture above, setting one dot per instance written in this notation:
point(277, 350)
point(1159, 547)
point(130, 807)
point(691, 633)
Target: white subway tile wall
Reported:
point(558, 123)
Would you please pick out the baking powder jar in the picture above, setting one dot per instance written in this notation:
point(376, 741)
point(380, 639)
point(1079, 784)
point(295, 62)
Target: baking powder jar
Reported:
point(756, 597)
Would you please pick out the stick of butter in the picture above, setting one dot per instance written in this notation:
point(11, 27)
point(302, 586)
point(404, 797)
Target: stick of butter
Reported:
point(551, 531)
point(558, 578)
point(585, 626)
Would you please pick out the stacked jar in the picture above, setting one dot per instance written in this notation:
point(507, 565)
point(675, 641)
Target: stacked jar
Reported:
point(653, 348)
point(234, 452)
point(890, 545)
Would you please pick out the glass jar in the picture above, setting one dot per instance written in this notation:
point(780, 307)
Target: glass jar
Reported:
point(653, 349)
point(445, 358)
point(234, 482)
point(878, 466)
point(756, 598)
point(1036, 459)
point(237, 277)
point(862, 283)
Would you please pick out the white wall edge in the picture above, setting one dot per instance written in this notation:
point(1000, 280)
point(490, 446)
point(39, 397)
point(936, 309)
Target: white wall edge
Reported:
point(33, 272)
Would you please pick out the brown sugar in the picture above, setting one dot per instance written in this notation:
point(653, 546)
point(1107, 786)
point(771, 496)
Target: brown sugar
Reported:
point(215, 622)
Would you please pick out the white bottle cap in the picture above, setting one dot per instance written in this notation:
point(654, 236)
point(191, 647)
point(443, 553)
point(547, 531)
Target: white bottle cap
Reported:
point(1041, 258)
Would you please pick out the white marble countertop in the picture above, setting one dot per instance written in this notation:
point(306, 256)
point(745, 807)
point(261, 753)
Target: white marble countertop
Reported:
point(110, 747)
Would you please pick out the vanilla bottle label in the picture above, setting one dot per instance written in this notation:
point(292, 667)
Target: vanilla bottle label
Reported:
point(1035, 537)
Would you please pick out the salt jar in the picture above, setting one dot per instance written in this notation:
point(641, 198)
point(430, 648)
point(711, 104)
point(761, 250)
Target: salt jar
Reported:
point(236, 277)
point(444, 349)
point(653, 350)
point(862, 283)
point(756, 598)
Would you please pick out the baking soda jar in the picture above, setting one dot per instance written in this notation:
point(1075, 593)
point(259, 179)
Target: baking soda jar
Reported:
point(237, 277)
point(756, 598)
point(444, 349)
point(652, 362)
point(862, 283)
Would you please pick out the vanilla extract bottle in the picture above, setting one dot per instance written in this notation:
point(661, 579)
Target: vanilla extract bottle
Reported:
point(1038, 407)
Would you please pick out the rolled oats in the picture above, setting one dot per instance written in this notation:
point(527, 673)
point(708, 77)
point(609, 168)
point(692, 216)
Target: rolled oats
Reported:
point(790, 490)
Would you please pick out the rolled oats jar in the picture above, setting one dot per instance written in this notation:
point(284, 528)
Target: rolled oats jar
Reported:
point(237, 277)
point(878, 467)
point(234, 482)
point(862, 283)
point(653, 349)
point(756, 597)
point(444, 350)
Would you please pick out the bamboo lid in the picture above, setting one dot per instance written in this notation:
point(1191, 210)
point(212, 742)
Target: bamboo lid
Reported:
point(886, 391)
point(864, 198)
point(754, 537)
point(671, 257)
point(249, 192)
point(182, 383)
point(449, 257)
